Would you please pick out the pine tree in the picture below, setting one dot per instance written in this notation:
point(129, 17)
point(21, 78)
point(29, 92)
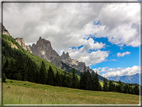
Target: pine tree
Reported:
point(93, 80)
point(3, 77)
point(120, 88)
point(20, 66)
point(50, 79)
point(42, 74)
point(81, 81)
point(5, 68)
point(58, 81)
point(96, 82)
point(89, 80)
point(105, 87)
point(73, 79)
point(110, 86)
point(136, 89)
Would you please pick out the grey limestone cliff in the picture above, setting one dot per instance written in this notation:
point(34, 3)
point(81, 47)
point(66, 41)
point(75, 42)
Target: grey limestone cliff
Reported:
point(4, 30)
point(74, 62)
point(22, 44)
point(44, 50)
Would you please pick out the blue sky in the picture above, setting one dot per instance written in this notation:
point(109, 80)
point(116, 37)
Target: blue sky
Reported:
point(103, 35)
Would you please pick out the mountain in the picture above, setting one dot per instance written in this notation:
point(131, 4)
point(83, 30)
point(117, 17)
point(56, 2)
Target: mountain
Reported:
point(44, 50)
point(22, 44)
point(11, 49)
point(127, 79)
point(72, 62)
point(19, 40)
point(4, 30)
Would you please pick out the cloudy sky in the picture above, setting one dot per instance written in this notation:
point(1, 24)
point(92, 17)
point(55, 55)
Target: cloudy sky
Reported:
point(106, 36)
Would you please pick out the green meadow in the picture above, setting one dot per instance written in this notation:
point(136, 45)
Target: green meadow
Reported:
point(23, 92)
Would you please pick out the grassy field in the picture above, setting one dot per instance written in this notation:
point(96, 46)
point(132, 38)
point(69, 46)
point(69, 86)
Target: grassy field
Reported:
point(23, 92)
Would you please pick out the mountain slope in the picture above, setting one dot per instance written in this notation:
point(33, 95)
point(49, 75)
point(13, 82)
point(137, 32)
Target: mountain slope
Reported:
point(10, 49)
point(44, 50)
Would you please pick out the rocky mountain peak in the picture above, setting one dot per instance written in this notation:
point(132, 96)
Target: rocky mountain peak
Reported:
point(4, 30)
point(44, 50)
point(22, 44)
point(65, 56)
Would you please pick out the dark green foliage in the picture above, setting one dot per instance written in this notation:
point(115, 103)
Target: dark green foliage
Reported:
point(105, 87)
point(96, 81)
point(136, 89)
point(110, 86)
point(81, 81)
point(3, 77)
point(50, 77)
point(75, 81)
point(42, 74)
point(58, 79)
point(120, 88)
point(126, 88)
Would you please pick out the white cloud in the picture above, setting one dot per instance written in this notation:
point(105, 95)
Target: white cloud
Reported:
point(111, 72)
point(91, 45)
point(70, 24)
point(89, 58)
point(123, 54)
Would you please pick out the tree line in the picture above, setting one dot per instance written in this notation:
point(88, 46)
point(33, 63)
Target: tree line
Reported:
point(20, 69)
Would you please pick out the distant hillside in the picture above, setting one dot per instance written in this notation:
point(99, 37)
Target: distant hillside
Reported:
point(10, 49)
point(127, 79)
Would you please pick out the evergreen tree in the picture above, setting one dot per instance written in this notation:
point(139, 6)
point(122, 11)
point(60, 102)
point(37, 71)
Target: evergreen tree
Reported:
point(93, 80)
point(89, 80)
point(120, 88)
point(37, 77)
point(81, 81)
point(68, 78)
point(20, 66)
point(110, 86)
point(3, 77)
point(96, 82)
point(126, 87)
point(73, 78)
point(50, 79)
point(58, 81)
point(26, 73)
point(32, 72)
point(42, 74)
point(136, 89)
point(105, 87)
point(5, 68)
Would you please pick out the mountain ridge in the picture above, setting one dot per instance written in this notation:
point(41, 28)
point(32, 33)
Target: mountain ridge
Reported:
point(127, 78)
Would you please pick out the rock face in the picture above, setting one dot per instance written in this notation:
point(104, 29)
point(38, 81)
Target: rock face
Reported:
point(44, 50)
point(22, 44)
point(4, 30)
point(72, 62)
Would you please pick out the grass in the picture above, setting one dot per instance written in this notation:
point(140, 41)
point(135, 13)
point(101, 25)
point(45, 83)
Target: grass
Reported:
point(23, 92)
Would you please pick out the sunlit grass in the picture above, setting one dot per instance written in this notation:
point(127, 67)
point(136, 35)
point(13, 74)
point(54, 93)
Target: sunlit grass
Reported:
point(22, 92)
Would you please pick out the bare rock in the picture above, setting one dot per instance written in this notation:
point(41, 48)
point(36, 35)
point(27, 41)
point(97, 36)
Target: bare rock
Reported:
point(4, 30)
point(44, 50)
point(22, 44)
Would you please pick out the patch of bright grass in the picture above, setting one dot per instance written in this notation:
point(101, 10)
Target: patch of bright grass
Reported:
point(23, 92)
